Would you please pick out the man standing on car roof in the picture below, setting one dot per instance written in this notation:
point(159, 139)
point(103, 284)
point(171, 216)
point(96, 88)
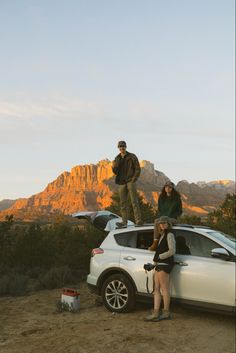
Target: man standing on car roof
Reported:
point(127, 170)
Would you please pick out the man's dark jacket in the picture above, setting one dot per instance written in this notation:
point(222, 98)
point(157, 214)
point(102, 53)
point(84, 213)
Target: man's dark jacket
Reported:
point(126, 169)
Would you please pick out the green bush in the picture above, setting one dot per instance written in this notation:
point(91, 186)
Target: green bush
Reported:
point(32, 247)
point(190, 219)
point(52, 255)
point(35, 272)
point(13, 284)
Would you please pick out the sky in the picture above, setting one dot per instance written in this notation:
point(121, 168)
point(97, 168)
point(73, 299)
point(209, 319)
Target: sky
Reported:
point(77, 76)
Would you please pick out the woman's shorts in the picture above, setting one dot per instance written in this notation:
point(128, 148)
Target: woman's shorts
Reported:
point(163, 267)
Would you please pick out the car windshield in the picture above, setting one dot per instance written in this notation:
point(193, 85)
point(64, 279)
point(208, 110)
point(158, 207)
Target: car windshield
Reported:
point(225, 238)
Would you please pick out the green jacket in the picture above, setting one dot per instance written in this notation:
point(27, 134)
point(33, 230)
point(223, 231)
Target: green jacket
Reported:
point(126, 169)
point(168, 206)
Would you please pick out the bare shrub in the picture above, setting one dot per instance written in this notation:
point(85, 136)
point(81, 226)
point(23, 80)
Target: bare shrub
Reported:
point(56, 277)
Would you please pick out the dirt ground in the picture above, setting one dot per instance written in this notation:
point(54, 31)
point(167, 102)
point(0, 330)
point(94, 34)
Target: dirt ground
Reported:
point(32, 324)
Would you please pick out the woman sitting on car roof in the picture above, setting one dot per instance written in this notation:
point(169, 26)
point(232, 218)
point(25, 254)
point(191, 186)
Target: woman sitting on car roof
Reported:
point(170, 205)
point(169, 202)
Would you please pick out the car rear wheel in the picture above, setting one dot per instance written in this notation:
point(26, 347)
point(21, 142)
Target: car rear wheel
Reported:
point(118, 294)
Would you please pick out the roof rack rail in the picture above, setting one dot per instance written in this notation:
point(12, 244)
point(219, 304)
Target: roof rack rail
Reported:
point(183, 225)
point(143, 225)
point(191, 226)
point(174, 225)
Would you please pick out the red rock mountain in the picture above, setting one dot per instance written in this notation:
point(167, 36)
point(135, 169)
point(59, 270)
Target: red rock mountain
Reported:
point(89, 187)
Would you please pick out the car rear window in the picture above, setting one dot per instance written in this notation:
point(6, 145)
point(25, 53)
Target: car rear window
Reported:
point(128, 239)
point(140, 239)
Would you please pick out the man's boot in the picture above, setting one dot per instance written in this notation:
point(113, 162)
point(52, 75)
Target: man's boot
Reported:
point(121, 224)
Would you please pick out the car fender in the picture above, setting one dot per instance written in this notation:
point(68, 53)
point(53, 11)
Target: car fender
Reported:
point(105, 274)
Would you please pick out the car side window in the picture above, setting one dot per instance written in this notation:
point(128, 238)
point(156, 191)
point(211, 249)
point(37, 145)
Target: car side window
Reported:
point(192, 243)
point(144, 239)
point(127, 239)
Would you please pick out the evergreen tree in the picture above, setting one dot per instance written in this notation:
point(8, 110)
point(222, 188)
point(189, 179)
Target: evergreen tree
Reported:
point(224, 218)
point(190, 219)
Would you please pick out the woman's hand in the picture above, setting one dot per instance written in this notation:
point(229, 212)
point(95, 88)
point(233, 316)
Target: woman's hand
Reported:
point(153, 247)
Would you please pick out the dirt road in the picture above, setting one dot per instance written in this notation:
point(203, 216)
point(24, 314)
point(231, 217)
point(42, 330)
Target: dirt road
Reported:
point(31, 324)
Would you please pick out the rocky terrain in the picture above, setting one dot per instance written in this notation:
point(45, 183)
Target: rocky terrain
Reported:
point(31, 324)
point(90, 187)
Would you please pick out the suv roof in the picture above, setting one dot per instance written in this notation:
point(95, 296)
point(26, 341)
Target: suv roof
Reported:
point(145, 225)
point(106, 220)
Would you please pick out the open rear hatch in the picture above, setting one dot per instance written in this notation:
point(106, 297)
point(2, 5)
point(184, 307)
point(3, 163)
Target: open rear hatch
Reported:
point(102, 220)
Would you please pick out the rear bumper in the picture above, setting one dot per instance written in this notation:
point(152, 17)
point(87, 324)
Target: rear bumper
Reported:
point(92, 280)
point(92, 284)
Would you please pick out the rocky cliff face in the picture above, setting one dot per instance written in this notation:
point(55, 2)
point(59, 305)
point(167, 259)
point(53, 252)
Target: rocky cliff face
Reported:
point(90, 187)
point(83, 188)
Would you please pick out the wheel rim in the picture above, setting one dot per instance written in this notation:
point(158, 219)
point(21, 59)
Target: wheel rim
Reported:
point(116, 294)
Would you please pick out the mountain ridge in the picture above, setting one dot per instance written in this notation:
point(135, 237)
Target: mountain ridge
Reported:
point(90, 187)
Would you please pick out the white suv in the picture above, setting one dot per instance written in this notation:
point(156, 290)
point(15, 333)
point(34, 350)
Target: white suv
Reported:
point(203, 275)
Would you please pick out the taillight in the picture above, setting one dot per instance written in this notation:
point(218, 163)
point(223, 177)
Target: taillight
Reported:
point(97, 251)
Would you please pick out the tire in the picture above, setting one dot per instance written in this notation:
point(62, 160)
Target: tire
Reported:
point(118, 294)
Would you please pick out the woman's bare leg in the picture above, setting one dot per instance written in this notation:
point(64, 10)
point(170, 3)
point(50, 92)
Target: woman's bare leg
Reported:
point(164, 279)
point(157, 294)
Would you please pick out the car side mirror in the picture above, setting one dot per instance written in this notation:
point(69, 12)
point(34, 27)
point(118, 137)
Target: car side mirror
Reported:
point(220, 253)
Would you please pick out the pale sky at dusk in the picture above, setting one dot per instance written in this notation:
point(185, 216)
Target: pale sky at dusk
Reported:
point(77, 76)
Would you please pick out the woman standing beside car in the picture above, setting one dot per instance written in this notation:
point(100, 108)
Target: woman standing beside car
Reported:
point(164, 262)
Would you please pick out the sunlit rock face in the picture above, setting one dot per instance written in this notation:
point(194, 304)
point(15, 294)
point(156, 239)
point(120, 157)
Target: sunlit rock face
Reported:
point(83, 188)
point(90, 187)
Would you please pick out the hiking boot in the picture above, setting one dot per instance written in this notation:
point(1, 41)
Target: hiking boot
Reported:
point(154, 316)
point(165, 315)
point(121, 224)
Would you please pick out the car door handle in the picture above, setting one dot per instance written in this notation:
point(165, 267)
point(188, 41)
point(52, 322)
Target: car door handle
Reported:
point(181, 263)
point(129, 258)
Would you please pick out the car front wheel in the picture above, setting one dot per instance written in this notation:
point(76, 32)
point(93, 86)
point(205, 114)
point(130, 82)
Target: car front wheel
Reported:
point(118, 294)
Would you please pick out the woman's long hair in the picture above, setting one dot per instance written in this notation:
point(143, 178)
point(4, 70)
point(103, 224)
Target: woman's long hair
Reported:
point(157, 230)
point(174, 193)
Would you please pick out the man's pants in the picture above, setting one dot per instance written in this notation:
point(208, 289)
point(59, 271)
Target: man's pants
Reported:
point(131, 190)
